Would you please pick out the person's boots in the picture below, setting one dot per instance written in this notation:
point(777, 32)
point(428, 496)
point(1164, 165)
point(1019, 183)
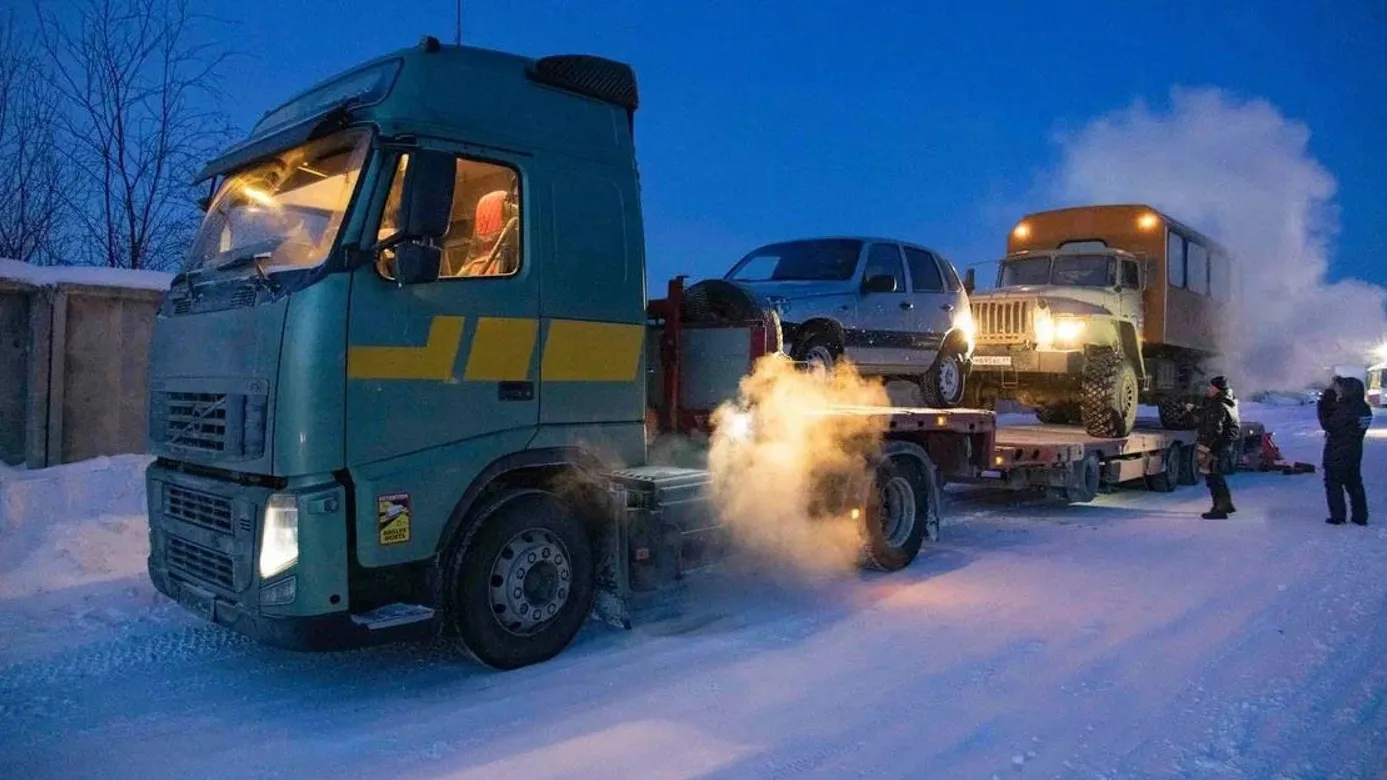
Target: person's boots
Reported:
point(1360, 521)
point(1216, 513)
point(1332, 521)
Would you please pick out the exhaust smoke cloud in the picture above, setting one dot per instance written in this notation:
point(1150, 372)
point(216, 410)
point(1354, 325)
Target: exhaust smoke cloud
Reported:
point(774, 449)
point(1241, 172)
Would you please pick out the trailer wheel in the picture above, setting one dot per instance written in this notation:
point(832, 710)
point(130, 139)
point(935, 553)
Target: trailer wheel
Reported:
point(895, 524)
point(1084, 481)
point(1169, 477)
point(520, 585)
point(1109, 400)
point(1189, 474)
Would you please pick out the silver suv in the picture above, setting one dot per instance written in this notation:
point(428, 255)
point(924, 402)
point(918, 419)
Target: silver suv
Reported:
point(892, 308)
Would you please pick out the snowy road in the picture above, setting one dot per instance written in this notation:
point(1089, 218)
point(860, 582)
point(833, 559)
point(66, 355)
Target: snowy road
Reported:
point(1127, 639)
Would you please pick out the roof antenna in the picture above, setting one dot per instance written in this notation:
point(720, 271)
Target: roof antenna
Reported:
point(457, 30)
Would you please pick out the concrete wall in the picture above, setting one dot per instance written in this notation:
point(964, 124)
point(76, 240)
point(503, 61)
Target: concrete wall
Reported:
point(73, 371)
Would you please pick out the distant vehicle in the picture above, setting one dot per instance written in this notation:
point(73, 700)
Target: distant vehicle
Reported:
point(890, 307)
point(1374, 384)
point(1098, 309)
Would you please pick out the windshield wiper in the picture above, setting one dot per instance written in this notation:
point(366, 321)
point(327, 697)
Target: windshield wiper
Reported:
point(255, 259)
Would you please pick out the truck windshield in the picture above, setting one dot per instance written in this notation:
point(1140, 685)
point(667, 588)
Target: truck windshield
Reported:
point(1060, 270)
point(826, 260)
point(284, 212)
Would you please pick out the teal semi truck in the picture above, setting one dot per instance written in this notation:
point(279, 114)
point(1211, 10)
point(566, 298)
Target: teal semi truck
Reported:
point(406, 383)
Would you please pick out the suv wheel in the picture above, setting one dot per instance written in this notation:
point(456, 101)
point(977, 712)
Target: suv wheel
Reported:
point(819, 353)
point(944, 385)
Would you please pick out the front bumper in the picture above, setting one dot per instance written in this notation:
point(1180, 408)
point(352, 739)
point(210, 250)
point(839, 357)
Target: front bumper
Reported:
point(1002, 360)
point(313, 633)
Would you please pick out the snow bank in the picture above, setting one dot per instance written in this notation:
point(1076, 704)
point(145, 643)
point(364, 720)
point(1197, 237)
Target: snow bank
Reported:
point(48, 275)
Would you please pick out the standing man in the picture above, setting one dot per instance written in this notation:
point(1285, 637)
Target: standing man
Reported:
point(1345, 417)
point(1215, 453)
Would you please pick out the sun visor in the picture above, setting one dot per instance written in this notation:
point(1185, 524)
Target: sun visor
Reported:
point(263, 147)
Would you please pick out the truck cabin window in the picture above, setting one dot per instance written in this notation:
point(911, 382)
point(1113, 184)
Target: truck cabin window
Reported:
point(829, 260)
point(483, 238)
point(1061, 271)
point(282, 213)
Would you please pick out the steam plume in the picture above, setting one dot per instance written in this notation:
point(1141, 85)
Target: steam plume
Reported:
point(766, 481)
point(1241, 172)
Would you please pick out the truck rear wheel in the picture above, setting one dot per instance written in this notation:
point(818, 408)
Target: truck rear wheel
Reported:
point(1169, 476)
point(1176, 414)
point(1058, 414)
point(896, 522)
point(520, 585)
point(1084, 481)
point(1109, 396)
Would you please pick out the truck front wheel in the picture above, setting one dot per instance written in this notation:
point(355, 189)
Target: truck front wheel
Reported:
point(896, 522)
point(1109, 398)
point(519, 586)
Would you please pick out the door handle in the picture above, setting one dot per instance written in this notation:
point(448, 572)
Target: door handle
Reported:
point(947, 307)
point(907, 305)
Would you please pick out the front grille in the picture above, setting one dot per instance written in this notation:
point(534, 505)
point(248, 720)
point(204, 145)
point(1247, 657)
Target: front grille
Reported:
point(200, 563)
point(1002, 320)
point(241, 298)
point(198, 508)
point(211, 423)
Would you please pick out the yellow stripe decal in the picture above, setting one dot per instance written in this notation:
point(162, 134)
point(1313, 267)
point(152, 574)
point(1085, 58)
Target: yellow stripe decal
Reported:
point(578, 351)
point(501, 350)
point(434, 360)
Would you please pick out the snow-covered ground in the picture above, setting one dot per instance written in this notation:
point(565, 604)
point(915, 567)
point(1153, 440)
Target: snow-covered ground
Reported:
point(1124, 639)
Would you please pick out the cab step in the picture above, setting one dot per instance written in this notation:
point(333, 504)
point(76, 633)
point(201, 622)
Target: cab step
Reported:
point(394, 615)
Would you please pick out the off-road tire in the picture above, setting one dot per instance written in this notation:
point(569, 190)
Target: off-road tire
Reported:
point(1108, 401)
point(1058, 414)
point(932, 384)
point(1174, 415)
point(892, 549)
point(467, 580)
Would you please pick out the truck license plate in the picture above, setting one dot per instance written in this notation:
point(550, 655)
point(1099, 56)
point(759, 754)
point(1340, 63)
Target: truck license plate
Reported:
point(992, 360)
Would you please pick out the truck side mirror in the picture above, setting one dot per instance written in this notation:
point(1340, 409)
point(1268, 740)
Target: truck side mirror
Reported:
point(970, 281)
point(427, 205)
point(880, 283)
point(417, 263)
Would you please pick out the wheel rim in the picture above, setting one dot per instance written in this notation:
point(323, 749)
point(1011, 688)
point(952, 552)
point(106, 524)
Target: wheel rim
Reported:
point(1129, 395)
point(897, 510)
point(950, 378)
point(530, 581)
point(819, 358)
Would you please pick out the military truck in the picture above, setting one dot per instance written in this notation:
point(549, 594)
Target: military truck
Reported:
point(1098, 309)
point(406, 383)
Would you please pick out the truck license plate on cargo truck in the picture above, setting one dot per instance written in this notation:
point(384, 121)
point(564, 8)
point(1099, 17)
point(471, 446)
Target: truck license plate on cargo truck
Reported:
point(992, 360)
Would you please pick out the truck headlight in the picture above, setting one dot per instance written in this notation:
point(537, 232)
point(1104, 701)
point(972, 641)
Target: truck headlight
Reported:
point(1069, 330)
point(1044, 328)
point(279, 535)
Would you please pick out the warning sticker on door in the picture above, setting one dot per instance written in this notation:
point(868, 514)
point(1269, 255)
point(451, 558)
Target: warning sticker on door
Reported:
point(392, 518)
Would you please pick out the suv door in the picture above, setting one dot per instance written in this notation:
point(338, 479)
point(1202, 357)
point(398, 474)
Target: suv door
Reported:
point(885, 320)
point(934, 303)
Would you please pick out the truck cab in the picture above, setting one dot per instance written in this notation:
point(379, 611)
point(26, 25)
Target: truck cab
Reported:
point(401, 387)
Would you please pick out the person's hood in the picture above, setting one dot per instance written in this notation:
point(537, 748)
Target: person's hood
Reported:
point(1227, 398)
point(1353, 388)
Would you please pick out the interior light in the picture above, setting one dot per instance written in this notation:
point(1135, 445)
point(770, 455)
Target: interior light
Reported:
point(258, 195)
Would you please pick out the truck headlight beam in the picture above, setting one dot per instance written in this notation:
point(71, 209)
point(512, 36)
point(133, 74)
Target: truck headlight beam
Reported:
point(279, 535)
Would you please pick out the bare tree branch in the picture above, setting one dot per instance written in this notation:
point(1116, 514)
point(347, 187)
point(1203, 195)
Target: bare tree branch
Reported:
point(133, 77)
point(30, 178)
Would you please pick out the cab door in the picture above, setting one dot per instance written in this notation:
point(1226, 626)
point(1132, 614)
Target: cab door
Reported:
point(450, 362)
point(1129, 292)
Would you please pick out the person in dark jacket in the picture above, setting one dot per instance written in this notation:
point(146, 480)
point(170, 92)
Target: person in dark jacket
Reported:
point(1345, 417)
point(1218, 433)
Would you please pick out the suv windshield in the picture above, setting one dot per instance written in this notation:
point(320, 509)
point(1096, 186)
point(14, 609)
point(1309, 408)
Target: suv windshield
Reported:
point(827, 260)
point(285, 212)
point(1060, 270)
